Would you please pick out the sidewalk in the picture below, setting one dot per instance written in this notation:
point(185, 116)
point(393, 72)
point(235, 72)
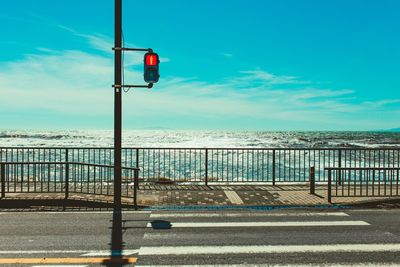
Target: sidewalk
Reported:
point(229, 195)
point(172, 195)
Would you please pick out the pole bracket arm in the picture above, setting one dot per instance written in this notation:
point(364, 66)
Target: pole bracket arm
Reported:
point(150, 85)
point(132, 49)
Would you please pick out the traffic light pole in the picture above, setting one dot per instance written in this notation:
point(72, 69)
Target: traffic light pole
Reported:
point(117, 105)
point(118, 100)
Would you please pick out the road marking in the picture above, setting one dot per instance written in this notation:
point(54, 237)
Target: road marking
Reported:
point(263, 224)
point(291, 214)
point(193, 250)
point(126, 252)
point(42, 251)
point(233, 197)
point(157, 235)
point(65, 260)
point(59, 265)
point(80, 252)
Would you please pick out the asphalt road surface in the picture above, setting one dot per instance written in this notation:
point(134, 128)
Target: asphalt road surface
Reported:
point(198, 238)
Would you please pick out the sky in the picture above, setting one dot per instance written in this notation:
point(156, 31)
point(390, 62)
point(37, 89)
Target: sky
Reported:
point(257, 65)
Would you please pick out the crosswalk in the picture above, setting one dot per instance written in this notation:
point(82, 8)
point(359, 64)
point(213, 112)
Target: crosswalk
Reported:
point(236, 238)
point(202, 238)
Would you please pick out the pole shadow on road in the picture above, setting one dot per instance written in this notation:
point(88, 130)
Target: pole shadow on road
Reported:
point(117, 244)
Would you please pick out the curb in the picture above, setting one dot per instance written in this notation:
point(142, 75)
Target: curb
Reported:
point(249, 207)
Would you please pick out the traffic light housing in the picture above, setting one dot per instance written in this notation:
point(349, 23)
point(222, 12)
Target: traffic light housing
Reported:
point(151, 62)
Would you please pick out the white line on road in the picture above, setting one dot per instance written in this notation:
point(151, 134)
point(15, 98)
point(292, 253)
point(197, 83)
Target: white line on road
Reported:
point(59, 265)
point(263, 224)
point(193, 250)
point(42, 251)
point(126, 252)
point(205, 215)
point(233, 197)
point(13, 252)
point(286, 265)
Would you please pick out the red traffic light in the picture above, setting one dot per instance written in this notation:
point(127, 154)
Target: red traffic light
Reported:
point(151, 62)
point(151, 59)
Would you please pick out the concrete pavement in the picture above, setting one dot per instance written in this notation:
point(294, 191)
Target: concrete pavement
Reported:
point(198, 196)
point(201, 238)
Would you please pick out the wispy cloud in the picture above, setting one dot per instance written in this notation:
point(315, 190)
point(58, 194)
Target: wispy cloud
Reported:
point(79, 83)
point(269, 78)
point(227, 55)
point(96, 41)
point(104, 43)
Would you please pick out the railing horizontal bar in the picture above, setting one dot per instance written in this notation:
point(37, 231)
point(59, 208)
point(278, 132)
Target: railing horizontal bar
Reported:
point(219, 148)
point(357, 168)
point(62, 162)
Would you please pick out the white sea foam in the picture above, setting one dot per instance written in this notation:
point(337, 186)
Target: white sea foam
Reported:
point(198, 139)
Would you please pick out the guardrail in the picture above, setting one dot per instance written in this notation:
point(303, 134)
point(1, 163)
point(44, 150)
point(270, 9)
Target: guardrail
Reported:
point(65, 177)
point(217, 165)
point(362, 182)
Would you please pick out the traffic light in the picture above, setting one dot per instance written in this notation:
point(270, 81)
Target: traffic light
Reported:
point(151, 62)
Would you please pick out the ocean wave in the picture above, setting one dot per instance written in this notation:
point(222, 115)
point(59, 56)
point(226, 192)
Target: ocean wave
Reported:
point(42, 136)
point(200, 139)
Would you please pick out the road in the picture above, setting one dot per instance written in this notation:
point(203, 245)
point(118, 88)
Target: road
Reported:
point(198, 238)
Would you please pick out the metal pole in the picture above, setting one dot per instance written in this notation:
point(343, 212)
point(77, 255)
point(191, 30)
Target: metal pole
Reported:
point(206, 167)
point(330, 186)
point(312, 180)
point(135, 188)
point(340, 166)
point(273, 167)
point(66, 174)
point(117, 104)
point(137, 167)
point(3, 180)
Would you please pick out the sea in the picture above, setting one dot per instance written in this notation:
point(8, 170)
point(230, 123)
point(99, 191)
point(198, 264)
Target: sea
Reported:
point(198, 139)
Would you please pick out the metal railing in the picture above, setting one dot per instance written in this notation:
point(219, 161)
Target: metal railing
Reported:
point(64, 177)
point(362, 182)
point(218, 165)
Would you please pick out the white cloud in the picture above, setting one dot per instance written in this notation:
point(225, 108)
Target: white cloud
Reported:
point(104, 43)
point(269, 78)
point(227, 55)
point(96, 41)
point(79, 83)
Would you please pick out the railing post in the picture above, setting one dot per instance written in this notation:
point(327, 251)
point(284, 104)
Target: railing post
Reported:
point(340, 166)
point(137, 167)
point(3, 180)
point(206, 167)
point(312, 180)
point(66, 174)
point(273, 167)
point(135, 187)
point(330, 186)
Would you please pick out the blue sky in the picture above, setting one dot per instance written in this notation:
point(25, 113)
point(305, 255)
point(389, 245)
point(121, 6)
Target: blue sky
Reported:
point(229, 65)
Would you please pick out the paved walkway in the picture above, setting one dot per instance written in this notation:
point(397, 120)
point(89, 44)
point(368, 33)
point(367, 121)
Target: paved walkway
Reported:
point(172, 195)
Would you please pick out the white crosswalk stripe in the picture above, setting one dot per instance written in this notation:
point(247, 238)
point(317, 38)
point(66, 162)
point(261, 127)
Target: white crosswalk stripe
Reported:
point(196, 250)
point(262, 224)
point(125, 252)
point(261, 214)
point(59, 265)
